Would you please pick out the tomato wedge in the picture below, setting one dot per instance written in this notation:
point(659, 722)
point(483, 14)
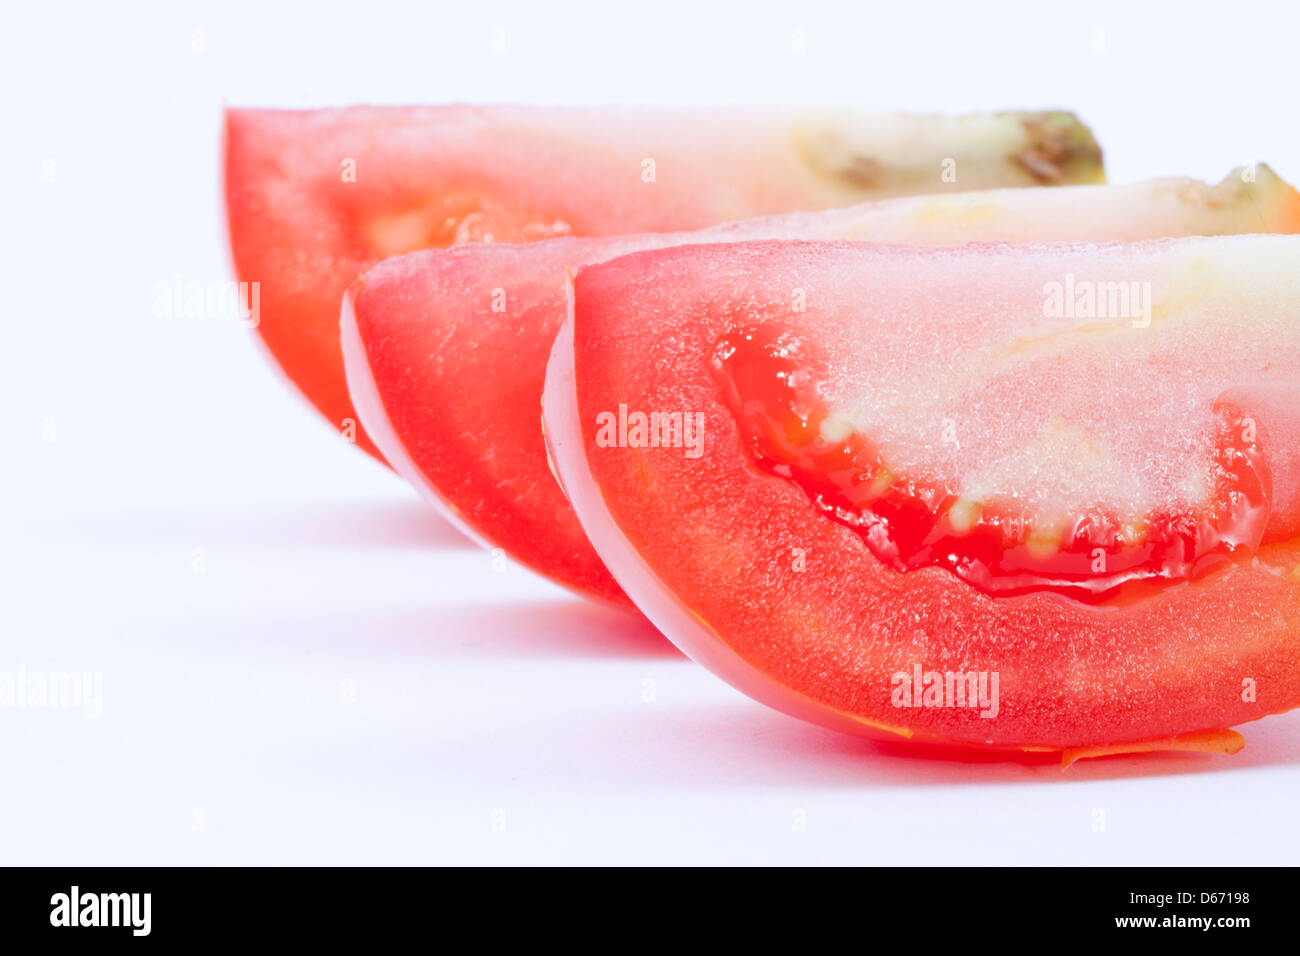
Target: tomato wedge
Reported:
point(313, 198)
point(446, 350)
point(899, 473)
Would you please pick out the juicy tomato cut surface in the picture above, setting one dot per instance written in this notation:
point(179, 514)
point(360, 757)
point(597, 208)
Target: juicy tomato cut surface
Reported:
point(450, 346)
point(911, 521)
point(1053, 415)
point(315, 197)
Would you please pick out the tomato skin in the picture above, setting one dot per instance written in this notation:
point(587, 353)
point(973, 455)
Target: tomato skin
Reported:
point(268, 178)
point(501, 491)
point(705, 546)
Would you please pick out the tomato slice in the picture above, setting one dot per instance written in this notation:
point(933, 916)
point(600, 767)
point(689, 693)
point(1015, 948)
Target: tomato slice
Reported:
point(314, 198)
point(955, 364)
point(446, 350)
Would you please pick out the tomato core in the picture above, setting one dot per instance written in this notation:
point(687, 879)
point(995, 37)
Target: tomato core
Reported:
point(914, 521)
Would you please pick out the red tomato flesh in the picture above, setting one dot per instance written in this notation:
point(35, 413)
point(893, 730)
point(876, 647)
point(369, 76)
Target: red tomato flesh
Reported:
point(315, 197)
point(446, 349)
point(730, 555)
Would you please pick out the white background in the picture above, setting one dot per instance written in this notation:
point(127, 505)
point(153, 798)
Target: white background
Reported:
point(178, 520)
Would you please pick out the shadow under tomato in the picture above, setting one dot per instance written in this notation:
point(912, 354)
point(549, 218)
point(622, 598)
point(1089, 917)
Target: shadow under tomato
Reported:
point(400, 523)
point(563, 628)
point(740, 743)
point(1267, 744)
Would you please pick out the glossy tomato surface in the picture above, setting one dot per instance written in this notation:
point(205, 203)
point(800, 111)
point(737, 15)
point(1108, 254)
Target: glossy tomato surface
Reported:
point(962, 367)
point(315, 197)
point(446, 348)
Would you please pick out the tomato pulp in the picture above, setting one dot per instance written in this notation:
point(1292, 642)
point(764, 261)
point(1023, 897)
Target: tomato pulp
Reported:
point(445, 350)
point(915, 521)
point(783, 566)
